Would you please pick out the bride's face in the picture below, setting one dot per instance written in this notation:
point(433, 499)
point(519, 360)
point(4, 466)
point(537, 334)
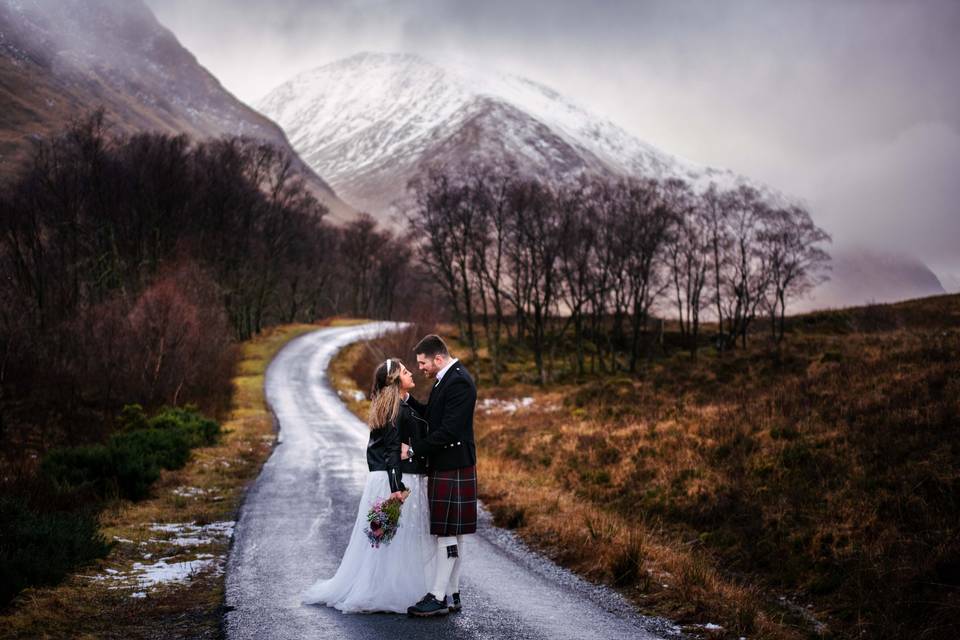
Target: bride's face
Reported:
point(406, 379)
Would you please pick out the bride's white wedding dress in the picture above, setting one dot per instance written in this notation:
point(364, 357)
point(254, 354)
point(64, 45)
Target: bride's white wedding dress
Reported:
point(393, 576)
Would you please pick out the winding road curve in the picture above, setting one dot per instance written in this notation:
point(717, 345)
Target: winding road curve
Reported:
point(296, 519)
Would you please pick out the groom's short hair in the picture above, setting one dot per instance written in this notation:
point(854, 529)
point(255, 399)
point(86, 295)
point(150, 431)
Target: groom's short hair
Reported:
point(431, 346)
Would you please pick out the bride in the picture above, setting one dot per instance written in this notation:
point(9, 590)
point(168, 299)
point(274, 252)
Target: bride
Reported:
point(392, 576)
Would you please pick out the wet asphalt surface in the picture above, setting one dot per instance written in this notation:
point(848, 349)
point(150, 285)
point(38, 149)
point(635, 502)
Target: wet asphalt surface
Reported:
point(296, 519)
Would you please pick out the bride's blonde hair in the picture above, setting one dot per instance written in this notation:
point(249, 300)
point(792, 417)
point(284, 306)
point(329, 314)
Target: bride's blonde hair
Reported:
point(385, 394)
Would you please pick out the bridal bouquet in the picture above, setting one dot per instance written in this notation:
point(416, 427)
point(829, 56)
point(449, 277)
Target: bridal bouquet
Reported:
point(384, 519)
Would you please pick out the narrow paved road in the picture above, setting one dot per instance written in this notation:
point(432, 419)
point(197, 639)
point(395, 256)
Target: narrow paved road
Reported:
point(296, 520)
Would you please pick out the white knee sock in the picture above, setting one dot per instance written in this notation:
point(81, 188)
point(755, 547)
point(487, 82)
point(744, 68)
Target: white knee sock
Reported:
point(447, 554)
point(454, 584)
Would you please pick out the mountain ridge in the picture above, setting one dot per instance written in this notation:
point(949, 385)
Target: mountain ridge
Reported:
point(352, 118)
point(59, 60)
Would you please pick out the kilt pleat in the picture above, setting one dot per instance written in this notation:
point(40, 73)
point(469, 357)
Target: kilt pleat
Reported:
point(453, 501)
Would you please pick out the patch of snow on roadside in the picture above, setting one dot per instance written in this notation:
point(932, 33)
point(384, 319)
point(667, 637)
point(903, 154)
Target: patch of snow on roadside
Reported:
point(160, 572)
point(189, 533)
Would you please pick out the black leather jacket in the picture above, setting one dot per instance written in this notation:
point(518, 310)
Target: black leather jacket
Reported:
point(411, 426)
point(383, 454)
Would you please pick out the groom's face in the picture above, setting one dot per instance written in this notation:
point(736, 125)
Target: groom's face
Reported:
point(428, 366)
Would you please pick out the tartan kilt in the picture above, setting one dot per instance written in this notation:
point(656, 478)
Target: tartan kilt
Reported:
point(453, 501)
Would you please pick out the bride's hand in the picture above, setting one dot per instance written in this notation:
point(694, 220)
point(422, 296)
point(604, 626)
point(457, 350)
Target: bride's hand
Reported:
point(404, 451)
point(399, 495)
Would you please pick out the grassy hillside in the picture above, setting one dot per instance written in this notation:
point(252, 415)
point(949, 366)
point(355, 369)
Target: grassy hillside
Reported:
point(813, 491)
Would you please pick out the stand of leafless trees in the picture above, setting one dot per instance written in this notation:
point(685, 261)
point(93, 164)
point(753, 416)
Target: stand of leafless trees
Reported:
point(132, 264)
point(519, 259)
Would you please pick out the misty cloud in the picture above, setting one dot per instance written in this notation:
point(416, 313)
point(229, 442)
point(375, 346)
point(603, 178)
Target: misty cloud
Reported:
point(903, 189)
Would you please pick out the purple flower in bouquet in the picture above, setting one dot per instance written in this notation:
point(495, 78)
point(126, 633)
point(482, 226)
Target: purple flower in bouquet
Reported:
point(384, 519)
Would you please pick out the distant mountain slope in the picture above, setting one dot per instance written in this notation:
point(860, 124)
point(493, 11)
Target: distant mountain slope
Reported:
point(370, 122)
point(61, 59)
point(860, 276)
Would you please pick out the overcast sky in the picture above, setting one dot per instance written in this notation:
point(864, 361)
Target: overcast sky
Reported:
point(850, 105)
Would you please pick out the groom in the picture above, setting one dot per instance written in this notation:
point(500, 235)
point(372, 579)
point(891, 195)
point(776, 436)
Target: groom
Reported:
point(452, 458)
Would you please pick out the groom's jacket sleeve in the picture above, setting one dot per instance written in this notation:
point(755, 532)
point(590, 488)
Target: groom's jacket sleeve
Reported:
point(457, 408)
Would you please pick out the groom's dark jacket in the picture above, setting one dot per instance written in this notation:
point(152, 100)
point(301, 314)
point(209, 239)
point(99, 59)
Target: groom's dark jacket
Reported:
point(449, 441)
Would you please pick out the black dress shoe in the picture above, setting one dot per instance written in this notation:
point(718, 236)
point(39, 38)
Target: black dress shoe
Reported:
point(429, 606)
point(455, 606)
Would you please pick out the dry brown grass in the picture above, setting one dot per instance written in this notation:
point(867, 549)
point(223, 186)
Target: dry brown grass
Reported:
point(660, 570)
point(80, 607)
point(808, 492)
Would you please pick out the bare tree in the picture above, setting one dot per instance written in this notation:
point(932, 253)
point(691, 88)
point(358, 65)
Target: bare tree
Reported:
point(490, 198)
point(609, 292)
point(715, 216)
point(373, 266)
point(445, 219)
point(534, 255)
point(643, 224)
point(795, 261)
point(689, 253)
point(745, 279)
point(578, 257)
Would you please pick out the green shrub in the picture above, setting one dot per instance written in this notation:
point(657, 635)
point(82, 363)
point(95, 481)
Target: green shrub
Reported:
point(40, 548)
point(133, 473)
point(201, 431)
point(132, 417)
point(132, 458)
point(167, 448)
point(79, 466)
point(114, 470)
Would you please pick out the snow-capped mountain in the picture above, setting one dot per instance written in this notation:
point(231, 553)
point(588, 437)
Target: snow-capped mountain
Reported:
point(61, 59)
point(372, 121)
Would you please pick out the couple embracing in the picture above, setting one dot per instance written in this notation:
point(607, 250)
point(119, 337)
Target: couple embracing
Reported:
point(425, 455)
